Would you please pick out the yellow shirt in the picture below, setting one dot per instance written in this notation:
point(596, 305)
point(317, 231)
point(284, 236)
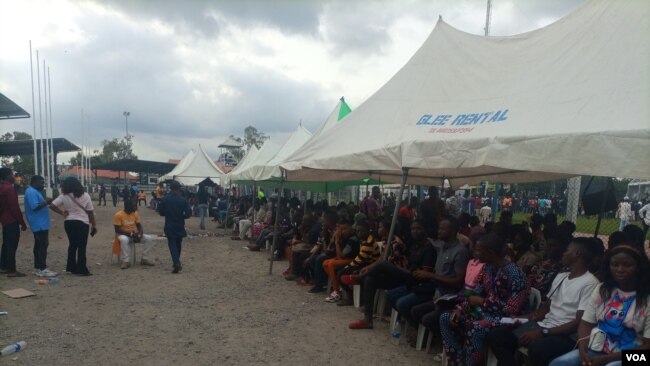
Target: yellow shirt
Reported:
point(126, 222)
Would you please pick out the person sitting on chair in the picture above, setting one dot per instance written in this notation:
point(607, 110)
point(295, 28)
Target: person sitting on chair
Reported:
point(128, 229)
point(551, 330)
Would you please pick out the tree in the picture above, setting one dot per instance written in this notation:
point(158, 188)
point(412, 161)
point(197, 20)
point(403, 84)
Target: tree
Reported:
point(115, 149)
point(253, 137)
point(20, 163)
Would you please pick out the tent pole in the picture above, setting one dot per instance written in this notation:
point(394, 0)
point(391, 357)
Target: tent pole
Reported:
point(602, 206)
point(253, 202)
point(225, 221)
point(391, 233)
point(277, 222)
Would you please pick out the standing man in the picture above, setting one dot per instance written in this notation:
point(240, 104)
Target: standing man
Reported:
point(102, 194)
point(372, 208)
point(176, 209)
point(432, 209)
point(644, 215)
point(115, 193)
point(38, 216)
point(203, 199)
point(12, 222)
point(624, 213)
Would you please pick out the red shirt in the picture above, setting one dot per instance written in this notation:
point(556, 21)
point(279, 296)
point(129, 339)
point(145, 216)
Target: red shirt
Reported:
point(9, 208)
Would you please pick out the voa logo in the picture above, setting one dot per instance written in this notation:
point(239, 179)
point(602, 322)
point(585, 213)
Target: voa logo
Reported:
point(635, 357)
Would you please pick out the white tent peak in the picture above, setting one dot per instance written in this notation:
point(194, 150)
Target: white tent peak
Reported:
point(194, 168)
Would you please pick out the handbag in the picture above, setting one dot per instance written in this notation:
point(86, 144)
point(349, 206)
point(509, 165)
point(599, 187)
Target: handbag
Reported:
point(597, 340)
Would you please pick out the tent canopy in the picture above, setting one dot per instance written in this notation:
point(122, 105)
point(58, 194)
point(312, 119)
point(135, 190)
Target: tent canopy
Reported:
point(271, 169)
point(11, 110)
point(568, 99)
point(195, 167)
point(250, 155)
point(246, 173)
point(26, 147)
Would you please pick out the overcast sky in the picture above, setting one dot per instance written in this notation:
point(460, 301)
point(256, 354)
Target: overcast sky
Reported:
point(196, 71)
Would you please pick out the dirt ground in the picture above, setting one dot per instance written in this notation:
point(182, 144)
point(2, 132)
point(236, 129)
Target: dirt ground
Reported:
point(224, 309)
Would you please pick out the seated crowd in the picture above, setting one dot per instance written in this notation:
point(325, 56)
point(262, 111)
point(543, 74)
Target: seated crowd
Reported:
point(474, 287)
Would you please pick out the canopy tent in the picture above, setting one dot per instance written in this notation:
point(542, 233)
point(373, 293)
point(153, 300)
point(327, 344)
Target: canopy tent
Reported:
point(246, 174)
point(26, 147)
point(133, 165)
point(568, 99)
point(250, 155)
point(266, 172)
point(10, 110)
point(195, 167)
point(271, 170)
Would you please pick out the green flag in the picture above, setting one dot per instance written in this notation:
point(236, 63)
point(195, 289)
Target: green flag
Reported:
point(344, 110)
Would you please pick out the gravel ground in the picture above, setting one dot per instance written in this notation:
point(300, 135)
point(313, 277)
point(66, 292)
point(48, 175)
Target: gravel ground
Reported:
point(224, 309)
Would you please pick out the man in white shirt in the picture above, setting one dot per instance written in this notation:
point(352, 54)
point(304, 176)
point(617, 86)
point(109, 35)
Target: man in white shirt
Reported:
point(644, 215)
point(624, 213)
point(550, 331)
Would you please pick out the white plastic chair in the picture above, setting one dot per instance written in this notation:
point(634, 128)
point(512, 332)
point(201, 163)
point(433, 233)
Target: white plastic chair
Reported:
point(356, 295)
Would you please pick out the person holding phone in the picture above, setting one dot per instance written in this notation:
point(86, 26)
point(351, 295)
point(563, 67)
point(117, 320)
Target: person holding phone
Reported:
point(76, 206)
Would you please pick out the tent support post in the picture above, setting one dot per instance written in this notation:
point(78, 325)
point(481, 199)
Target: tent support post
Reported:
point(277, 223)
point(391, 233)
point(225, 220)
point(608, 186)
point(253, 201)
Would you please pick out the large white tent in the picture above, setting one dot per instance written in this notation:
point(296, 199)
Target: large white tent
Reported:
point(195, 167)
point(569, 99)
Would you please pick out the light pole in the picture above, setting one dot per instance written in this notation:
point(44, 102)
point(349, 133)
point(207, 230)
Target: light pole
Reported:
point(126, 118)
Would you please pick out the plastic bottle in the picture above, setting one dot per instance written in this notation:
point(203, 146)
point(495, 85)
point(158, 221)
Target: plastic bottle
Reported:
point(13, 348)
point(47, 280)
point(395, 333)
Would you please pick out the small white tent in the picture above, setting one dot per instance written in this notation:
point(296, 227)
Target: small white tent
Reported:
point(195, 167)
point(247, 173)
point(568, 99)
point(271, 170)
point(243, 163)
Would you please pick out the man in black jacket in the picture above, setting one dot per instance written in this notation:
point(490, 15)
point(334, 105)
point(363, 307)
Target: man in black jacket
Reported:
point(176, 209)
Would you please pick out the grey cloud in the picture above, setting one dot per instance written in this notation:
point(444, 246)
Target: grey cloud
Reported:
point(272, 102)
point(197, 16)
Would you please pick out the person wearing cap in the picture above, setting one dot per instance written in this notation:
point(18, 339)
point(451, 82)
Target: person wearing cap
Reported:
point(175, 208)
point(624, 213)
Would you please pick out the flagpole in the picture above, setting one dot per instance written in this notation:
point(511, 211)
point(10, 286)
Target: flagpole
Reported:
point(89, 156)
point(31, 72)
point(40, 113)
point(52, 157)
point(47, 131)
point(83, 174)
point(488, 17)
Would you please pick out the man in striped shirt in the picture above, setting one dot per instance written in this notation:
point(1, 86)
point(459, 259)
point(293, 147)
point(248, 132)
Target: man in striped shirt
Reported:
point(368, 254)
